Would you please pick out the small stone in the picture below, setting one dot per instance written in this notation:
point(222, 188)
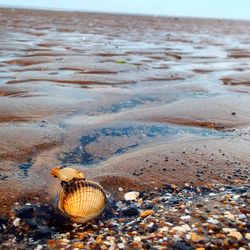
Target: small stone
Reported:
point(220, 236)
point(196, 238)
point(146, 213)
point(233, 203)
point(181, 229)
point(236, 235)
point(119, 204)
point(140, 202)
point(229, 216)
point(185, 217)
point(247, 236)
point(244, 210)
point(212, 194)
point(16, 222)
point(228, 230)
point(153, 228)
point(163, 229)
point(188, 236)
point(213, 221)
point(131, 196)
point(120, 189)
point(137, 238)
point(130, 212)
point(3, 220)
point(182, 245)
point(119, 220)
point(92, 246)
point(52, 244)
point(177, 237)
point(82, 235)
point(242, 216)
point(99, 239)
point(236, 196)
point(25, 212)
point(159, 235)
point(78, 245)
point(121, 245)
point(155, 200)
point(214, 227)
point(39, 247)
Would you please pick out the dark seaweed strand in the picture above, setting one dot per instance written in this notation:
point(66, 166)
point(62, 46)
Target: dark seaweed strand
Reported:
point(69, 187)
point(74, 184)
point(66, 184)
point(95, 186)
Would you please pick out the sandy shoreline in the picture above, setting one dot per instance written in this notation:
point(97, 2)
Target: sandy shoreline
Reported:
point(135, 108)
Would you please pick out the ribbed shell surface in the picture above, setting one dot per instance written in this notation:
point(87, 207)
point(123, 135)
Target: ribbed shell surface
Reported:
point(81, 200)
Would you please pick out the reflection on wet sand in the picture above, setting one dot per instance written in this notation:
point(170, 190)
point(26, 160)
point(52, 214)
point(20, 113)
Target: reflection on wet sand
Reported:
point(133, 106)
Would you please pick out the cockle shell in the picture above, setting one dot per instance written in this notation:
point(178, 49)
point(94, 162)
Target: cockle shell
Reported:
point(81, 200)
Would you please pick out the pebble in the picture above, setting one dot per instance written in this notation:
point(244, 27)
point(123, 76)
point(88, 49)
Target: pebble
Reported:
point(247, 236)
point(153, 228)
point(16, 222)
point(185, 217)
point(242, 216)
point(229, 216)
point(181, 229)
point(120, 189)
point(146, 213)
point(229, 230)
point(213, 221)
point(164, 229)
point(236, 235)
point(130, 212)
point(121, 245)
point(39, 247)
point(78, 245)
point(137, 239)
point(99, 239)
point(120, 205)
point(214, 228)
point(196, 238)
point(130, 196)
point(182, 245)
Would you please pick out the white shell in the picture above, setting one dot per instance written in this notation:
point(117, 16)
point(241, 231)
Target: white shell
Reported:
point(131, 196)
point(66, 174)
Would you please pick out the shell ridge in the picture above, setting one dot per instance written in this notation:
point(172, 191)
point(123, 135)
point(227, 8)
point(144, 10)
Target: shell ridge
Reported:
point(82, 200)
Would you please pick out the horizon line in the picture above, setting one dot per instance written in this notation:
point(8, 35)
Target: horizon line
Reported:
point(22, 7)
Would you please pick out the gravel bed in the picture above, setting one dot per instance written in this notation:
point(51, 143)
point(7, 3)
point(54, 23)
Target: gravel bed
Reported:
point(210, 217)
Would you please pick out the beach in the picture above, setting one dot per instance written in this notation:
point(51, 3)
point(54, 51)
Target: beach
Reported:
point(136, 102)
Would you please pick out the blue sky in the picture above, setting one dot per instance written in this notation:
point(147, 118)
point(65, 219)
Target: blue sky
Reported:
point(233, 9)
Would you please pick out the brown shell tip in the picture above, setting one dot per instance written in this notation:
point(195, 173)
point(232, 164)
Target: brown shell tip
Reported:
point(55, 172)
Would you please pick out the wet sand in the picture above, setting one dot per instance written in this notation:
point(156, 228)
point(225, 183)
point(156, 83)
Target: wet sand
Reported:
point(136, 102)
